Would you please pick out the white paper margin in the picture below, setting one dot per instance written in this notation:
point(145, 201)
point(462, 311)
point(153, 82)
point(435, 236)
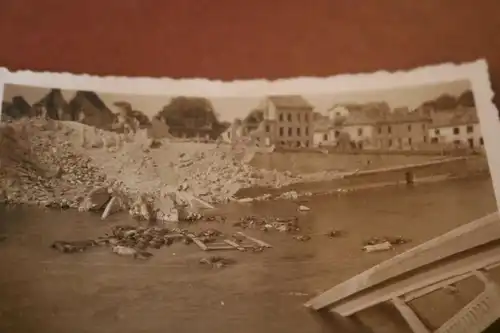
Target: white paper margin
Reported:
point(476, 72)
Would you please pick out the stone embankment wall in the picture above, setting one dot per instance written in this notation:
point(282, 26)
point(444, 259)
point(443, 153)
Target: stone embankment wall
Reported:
point(444, 168)
point(309, 162)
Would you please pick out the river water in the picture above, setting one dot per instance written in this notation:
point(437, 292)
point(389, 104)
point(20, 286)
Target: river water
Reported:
point(44, 291)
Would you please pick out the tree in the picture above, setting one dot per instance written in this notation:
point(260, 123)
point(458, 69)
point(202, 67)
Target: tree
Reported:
point(339, 120)
point(467, 99)
point(192, 115)
point(344, 141)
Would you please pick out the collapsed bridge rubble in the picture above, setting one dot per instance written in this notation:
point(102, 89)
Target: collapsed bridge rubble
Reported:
point(71, 165)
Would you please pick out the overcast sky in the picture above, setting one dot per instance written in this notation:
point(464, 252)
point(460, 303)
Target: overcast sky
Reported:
point(236, 107)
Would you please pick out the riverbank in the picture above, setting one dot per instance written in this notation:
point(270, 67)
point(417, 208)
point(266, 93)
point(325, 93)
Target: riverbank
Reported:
point(71, 165)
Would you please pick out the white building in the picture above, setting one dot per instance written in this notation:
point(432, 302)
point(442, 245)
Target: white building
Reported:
point(359, 127)
point(337, 111)
point(460, 127)
point(321, 134)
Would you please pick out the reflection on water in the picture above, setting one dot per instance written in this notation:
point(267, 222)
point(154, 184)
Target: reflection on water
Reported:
point(44, 291)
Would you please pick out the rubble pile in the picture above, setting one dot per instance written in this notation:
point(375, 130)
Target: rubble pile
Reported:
point(63, 164)
point(39, 166)
point(215, 175)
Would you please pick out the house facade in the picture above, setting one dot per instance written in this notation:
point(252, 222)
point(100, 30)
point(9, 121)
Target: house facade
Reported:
point(321, 135)
point(457, 128)
point(407, 130)
point(233, 132)
point(288, 122)
point(359, 128)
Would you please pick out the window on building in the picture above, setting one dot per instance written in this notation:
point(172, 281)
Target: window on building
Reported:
point(307, 130)
point(389, 129)
point(281, 117)
point(282, 143)
point(268, 128)
point(409, 141)
point(298, 116)
point(470, 129)
point(325, 137)
point(229, 135)
point(298, 131)
point(434, 140)
point(307, 143)
point(425, 138)
point(360, 131)
point(389, 142)
point(298, 144)
point(456, 130)
point(379, 129)
point(409, 128)
point(306, 117)
point(337, 133)
point(481, 141)
point(282, 131)
point(289, 117)
point(436, 131)
point(290, 131)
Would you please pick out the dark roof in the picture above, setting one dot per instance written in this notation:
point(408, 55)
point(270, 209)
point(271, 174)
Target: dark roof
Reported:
point(322, 124)
point(409, 117)
point(290, 102)
point(360, 118)
point(462, 116)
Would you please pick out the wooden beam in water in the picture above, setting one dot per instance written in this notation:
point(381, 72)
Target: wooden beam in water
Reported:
point(220, 247)
point(198, 242)
point(234, 245)
point(255, 240)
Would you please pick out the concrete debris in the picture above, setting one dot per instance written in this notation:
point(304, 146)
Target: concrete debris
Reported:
point(334, 233)
point(72, 247)
point(302, 238)
point(385, 246)
point(96, 200)
point(303, 208)
point(114, 205)
point(398, 240)
point(217, 261)
point(291, 195)
point(65, 164)
point(283, 224)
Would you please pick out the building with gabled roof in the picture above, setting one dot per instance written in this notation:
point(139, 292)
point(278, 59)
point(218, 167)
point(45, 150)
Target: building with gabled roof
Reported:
point(282, 121)
point(457, 127)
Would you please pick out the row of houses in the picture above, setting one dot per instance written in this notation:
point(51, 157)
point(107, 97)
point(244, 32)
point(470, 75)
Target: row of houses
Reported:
point(290, 121)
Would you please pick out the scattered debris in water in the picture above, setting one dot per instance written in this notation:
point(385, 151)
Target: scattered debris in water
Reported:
point(385, 246)
point(282, 224)
point(297, 293)
point(303, 208)
point(397, 240)
point(335, 233)
point(72, 247)
point(302, 238)
point(217, 261)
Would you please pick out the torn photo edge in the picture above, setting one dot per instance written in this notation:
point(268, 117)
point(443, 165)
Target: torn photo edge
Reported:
point(476, 72)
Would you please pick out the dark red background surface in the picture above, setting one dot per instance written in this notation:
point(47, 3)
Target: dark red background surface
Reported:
point(229, 39)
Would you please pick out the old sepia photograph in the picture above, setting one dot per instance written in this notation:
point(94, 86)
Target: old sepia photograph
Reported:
point(362, 211)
